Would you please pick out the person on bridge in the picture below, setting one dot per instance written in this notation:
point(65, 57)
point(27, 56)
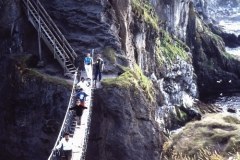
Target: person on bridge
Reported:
point(78, 108)
point(99, 65)
point(83, 84)
point(66, 144)
point(88, 65)
point(81, 95)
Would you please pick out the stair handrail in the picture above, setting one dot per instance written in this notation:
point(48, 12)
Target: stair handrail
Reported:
point(55, 29)
point(58, 44)
point(57, 33)
point(66, 115)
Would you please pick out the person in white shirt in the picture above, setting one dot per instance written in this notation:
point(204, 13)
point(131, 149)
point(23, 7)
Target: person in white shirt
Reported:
point(67, 145)
point(83, 84)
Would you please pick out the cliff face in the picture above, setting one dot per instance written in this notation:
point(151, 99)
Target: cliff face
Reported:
point(217, 71)
point(126, 121)
point(130, 111)
point(32, 109)
point(173, 16)
point(123, 124)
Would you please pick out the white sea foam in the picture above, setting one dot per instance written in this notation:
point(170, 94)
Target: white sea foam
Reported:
point(230, 26)
point(233, 51)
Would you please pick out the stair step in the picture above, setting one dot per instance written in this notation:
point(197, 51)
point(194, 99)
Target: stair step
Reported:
point(61, 50)
point(68, 62)
point(74, 125)
point(71, 69)
point(68, 65)
point(72, 72)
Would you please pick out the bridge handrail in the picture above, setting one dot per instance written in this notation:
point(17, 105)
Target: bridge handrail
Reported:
point(84, 148)
point(66, 116)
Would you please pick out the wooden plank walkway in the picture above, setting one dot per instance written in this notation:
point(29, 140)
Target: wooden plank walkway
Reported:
point(81, 132)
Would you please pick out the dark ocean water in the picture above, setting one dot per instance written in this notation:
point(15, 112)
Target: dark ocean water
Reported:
point(226, 101)
point(228, 18)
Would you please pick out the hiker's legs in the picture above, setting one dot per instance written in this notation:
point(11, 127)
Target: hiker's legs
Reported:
point(100, 75)
point(68, 154)
point(88, 69)
point(78, 118)
point(95, 75)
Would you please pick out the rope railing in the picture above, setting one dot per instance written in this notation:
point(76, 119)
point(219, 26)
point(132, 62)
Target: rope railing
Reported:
point(63, 52)
point(67, 122)
point(84, 147)
point(67, 119)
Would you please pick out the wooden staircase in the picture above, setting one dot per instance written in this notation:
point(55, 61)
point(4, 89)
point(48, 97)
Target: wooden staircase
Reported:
point(51, 35)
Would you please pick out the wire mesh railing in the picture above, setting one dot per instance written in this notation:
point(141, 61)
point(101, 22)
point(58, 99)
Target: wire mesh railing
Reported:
point(67, 119)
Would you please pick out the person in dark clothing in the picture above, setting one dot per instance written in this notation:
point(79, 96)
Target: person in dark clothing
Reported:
point(78, 108)
point(80, 94)
point(99, 65)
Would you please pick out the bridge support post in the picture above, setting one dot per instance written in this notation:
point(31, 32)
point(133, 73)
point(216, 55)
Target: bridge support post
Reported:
point(54, 48)
point(39, 37)
point(28, 10)
point(39, 46)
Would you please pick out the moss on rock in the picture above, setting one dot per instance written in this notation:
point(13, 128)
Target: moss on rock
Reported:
point(146, 11)
point(31, 73)
point(110, 54)
point(215, 133)
point(132, 77)
point(168, 49)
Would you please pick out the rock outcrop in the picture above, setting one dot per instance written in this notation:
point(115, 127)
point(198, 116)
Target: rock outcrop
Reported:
point(32, 107)
point(173, 16)
point(123, 125)
point(216, 135)
point(130, 112)
point(216, 70)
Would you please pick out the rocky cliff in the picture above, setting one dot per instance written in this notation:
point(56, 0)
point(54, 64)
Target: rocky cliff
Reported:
point(123, 125)
point(127, 33)
point(153, 45)
point(32, 109)
point(217, 71)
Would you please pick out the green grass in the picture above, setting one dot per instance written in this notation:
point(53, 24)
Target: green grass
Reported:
point(146, 11)
point(31, 73)
point(169, 49)
point(110, 54)
point(132, 78)
point(215, 133)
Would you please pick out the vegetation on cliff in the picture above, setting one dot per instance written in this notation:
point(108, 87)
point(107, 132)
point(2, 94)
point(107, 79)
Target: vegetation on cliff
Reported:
point(168, 49)
point(32, 73)
point(132, 77)
point(110, 54)
point(145, 10)
point(216, 136)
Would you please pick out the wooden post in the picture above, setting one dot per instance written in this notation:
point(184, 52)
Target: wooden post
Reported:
point(28, 9)
point(54, 48)
point(39, 35)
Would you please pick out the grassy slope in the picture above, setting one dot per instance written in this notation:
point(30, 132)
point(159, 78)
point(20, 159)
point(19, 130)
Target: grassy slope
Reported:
point(217, 135)
point(132, 77)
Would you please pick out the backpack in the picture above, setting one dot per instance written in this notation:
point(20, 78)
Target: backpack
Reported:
point(100, 64)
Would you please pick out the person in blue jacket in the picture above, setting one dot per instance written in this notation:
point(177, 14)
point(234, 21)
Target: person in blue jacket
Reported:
point(88, 65)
